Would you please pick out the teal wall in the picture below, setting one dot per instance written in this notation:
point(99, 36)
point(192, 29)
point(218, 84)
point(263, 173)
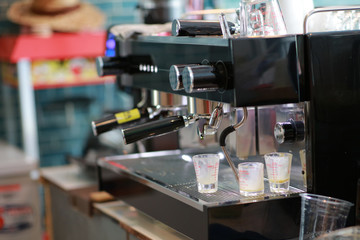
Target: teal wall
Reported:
point(323, 3)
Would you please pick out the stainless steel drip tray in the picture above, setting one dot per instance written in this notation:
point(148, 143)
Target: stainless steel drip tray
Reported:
point(172, 173)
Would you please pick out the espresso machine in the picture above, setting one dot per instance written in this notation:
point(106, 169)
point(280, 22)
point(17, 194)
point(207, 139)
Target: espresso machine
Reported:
point(241, 98)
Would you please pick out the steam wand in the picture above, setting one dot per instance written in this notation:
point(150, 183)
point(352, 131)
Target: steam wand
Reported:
point(223, 136)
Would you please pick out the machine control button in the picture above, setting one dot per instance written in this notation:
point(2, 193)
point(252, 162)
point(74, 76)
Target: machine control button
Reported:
point(290, 131)
point(118, 65)
point(110, 65)
point(201, 78)
point(175, 76)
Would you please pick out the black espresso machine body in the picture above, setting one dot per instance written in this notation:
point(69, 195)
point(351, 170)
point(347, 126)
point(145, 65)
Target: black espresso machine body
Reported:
point(247, 63)
point(314, 75)
point(334, 128)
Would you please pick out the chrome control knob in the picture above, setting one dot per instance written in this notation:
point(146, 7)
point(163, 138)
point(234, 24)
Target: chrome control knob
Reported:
point(201, 78)
point(175, 76)
point(290, 131)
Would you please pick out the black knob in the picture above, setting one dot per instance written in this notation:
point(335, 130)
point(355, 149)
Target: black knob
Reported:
point(110, 65)
point(290, 131)
point(130, 64)
point(201, 78)
point(198, 27)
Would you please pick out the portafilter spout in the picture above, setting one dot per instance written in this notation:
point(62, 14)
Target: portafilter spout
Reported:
point(209, 115)
point(215, 119)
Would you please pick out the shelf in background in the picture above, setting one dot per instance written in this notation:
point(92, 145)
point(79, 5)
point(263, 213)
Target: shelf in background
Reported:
point(55, 46)
point(57, 61)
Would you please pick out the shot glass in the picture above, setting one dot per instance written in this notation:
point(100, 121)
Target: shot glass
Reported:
point(251, 178)
point(207, 170)
point(278, 167)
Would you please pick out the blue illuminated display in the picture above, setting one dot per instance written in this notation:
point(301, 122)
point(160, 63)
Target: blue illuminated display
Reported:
point(110, 44)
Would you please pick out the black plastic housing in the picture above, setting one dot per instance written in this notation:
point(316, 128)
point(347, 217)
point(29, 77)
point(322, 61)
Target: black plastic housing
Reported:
point(334, 78)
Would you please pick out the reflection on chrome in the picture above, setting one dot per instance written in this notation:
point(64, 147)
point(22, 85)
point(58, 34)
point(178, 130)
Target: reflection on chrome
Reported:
point(221, 155)
point(186, 158)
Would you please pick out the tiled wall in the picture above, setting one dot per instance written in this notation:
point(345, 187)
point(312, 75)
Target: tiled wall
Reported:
point(64, 117)
point(10, 122)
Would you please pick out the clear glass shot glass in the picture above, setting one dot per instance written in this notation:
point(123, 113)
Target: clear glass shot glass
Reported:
point(251, 178)
point(207, 171)
point(278, 168)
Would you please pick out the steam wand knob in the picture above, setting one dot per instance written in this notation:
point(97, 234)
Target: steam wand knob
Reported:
point(289, 131)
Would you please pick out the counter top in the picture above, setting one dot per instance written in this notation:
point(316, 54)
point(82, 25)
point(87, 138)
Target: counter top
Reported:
point(72, 179)
point(137, 223)
point(67, 177)
point(13, 161)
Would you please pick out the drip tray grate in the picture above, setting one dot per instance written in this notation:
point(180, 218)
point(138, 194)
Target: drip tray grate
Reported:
point(178, 175)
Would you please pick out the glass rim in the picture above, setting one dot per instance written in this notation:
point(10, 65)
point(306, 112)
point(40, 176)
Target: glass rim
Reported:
point(203, 155)
point(335, 201)
point(278, 153)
